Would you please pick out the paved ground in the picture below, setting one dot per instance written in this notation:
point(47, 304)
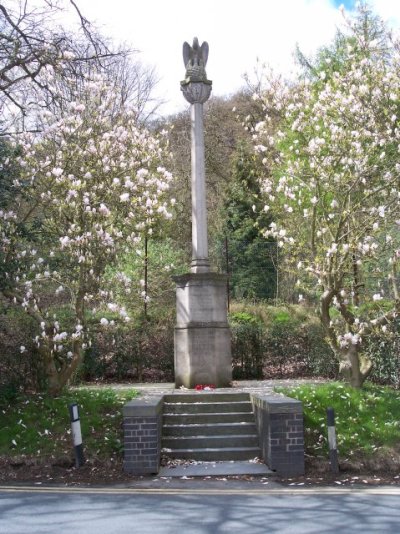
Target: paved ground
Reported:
point(250, 386)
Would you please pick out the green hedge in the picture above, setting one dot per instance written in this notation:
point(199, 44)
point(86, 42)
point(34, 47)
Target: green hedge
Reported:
point(279, 342)
point(20, 370)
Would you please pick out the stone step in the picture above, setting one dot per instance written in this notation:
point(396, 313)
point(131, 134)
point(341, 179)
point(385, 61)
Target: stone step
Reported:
point(216, 469)
point(212, 429)
point(215, 454)
point(206, 442)
point(208, 418)
point(207, 407)
point(206, 396)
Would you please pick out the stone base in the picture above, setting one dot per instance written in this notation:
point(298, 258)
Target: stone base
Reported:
point(203, 356)
point(202, 334)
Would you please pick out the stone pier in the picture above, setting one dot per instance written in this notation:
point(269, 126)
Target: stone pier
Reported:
point(202, 335)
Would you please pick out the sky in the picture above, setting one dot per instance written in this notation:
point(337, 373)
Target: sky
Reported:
point(239, 33)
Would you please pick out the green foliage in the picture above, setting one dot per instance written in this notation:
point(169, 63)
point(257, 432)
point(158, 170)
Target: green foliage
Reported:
point(243, 317)
point(39, 425)
point(164, 259)
point(282, 316)
point(250, 257)
point(366, 420)
point(8, 171)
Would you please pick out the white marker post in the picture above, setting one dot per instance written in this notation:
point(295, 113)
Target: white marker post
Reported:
point(76, 434)
point(333, 456)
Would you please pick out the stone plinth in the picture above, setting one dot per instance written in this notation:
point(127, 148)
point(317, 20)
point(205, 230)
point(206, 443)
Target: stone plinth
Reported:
point(202, 334)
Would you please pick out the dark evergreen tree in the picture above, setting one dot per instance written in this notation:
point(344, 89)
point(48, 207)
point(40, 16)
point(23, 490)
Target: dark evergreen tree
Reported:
point(251, 258)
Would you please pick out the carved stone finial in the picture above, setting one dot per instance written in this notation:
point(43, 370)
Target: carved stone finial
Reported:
point(195, 59)
point(195, 87)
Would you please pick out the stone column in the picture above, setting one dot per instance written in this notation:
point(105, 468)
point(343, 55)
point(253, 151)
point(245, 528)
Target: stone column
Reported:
point(202, 334)
point(196, 93)
point(200, 261)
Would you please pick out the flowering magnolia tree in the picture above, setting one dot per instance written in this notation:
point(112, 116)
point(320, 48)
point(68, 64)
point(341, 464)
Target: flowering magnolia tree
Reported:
point(91, 184)
point(332, 184)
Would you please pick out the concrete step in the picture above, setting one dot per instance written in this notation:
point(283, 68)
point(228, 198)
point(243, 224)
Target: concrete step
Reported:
point(199, 442)
point(207, 407)
point(216, 469)
point(215, 454)
point(206, 396)
point(208, 426)
point(208, 418)
point(212, 429)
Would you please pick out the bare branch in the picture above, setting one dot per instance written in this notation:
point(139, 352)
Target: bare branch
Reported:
point(28, 45)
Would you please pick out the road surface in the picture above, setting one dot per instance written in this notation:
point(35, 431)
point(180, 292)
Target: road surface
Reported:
point(168, 511)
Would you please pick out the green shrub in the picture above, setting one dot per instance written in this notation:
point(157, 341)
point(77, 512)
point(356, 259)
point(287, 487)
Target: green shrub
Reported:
point(247, 345)
point(279, 342)
point(244, 317)
point(142, 350)
point(20, 370)
point(384, 352)
point(319, 357)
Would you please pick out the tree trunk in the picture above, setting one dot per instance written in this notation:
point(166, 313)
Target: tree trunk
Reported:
point(354, 366)
point(52, 378)
point(57, 379)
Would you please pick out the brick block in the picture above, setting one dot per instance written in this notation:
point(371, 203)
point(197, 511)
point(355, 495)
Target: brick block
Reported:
point(295, 448)
point(142, 435)
point(298, 436)
point(149, 426)
point(279, 422)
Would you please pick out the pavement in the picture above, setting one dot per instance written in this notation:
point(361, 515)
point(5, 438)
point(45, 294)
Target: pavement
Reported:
point(205, 486)
point(249, 386)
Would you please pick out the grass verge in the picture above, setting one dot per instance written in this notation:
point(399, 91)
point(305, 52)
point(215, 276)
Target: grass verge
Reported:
point(40, 426)
point(367, 420)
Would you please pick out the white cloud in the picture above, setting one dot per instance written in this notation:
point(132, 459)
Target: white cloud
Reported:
point(389, 10)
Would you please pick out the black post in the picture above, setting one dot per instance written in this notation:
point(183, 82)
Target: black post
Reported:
point(333, 456)
point(76, 434)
